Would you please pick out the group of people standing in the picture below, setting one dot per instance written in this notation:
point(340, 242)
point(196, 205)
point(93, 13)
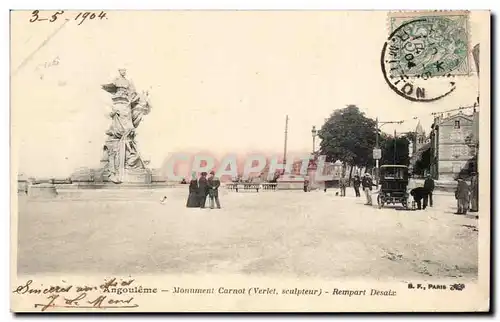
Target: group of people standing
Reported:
point(419, 197)
point(467, 196)
point(200, 188)
point(366, 183)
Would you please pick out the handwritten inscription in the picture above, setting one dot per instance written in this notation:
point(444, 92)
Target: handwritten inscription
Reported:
point(81, 17)
point(41, 68)
point(121, 295)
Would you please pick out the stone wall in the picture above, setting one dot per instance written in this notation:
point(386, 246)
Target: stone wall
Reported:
point(448, 170)
point(453, 150)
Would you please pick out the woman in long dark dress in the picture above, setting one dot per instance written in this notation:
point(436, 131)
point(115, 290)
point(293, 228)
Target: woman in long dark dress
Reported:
point(193, 201)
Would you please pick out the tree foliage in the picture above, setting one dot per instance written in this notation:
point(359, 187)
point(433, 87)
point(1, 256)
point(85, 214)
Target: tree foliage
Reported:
point(395, 150)
point(424, 163)
point(349, 136)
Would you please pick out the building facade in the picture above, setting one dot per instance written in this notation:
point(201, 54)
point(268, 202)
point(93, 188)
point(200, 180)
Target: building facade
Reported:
point(451, 152)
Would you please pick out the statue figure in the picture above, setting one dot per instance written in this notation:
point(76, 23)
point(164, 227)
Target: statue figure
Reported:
point(129, 107)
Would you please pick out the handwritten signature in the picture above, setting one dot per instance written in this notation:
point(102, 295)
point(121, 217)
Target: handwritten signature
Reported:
point(82, 299)
point(36, 16)
point(101, 302)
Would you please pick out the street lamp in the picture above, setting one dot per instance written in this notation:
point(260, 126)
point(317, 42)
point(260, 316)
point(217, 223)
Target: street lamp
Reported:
point(314, 134)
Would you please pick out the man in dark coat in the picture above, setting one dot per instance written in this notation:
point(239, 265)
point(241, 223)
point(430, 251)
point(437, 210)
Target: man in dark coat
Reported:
point(357, 183)
point(202, 189)
point(213, 190)
point(429, 186)
point(462, 196)
point(419, 194)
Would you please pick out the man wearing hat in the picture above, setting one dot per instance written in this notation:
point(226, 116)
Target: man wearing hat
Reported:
point(462, 196)
point(367, 184)
point(429, 186)
point(213, 190)
point(202, 189)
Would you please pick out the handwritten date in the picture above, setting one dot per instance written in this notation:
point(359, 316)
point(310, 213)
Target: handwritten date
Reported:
point(80, 18)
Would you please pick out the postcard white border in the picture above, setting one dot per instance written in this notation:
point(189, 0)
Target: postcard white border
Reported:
point(195, 5)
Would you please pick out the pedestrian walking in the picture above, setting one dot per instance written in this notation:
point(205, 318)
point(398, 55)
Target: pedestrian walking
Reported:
point(367, 184)
point(343, 185)
point(213, 190)
point(474, 187)
point(306, 185)
point(462, 196)
point(356, 184)
point(429, 186)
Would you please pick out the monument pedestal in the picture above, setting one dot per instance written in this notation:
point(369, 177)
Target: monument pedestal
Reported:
point(136, 176)
point(143, 176)
point(289, 182)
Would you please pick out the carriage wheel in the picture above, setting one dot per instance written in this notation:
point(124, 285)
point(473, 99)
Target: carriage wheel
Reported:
point(404, 202)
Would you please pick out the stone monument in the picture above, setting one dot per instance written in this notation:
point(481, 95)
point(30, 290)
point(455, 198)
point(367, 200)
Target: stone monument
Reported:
point(121, 161)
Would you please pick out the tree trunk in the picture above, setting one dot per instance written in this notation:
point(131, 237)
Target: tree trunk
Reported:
point(350, 175)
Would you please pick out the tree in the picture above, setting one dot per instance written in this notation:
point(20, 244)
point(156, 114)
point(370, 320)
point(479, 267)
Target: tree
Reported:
point(349, 136)
point(395, 152)
point(424, 163)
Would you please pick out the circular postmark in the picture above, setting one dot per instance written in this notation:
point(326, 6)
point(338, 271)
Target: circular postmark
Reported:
point(422, 56)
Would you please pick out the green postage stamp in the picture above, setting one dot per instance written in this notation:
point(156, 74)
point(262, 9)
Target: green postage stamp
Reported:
point(429, 44)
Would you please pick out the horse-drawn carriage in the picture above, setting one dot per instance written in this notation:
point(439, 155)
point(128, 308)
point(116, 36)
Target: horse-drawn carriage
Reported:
point(393, 185)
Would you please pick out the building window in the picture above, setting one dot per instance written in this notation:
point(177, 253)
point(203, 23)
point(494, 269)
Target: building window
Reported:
point(457, 124)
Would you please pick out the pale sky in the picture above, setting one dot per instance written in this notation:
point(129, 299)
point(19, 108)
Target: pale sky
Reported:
point(220, 82)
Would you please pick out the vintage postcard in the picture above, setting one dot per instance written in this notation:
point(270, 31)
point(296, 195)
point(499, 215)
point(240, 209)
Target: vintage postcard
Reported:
point(250, 161)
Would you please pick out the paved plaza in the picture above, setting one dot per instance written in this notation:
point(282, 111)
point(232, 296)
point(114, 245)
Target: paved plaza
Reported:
point(290, 233)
